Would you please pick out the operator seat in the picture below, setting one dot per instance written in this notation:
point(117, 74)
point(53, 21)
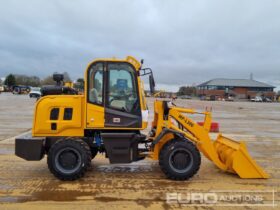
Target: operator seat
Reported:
point(93, 95)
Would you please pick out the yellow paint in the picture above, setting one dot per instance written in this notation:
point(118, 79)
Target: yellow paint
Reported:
point(69, 84)
point(227, 154)
point(42, 122)
point(85, 115)
point(160, 94)
point(98, 111)
point(95, 116)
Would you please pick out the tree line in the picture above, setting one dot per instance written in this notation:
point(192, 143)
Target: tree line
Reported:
point(34, 81)
point(187, 90)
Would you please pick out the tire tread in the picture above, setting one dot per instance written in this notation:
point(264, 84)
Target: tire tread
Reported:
point(65, 142)
point(164, 165)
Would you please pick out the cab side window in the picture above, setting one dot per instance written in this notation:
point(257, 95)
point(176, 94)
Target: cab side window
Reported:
point(122, 92)
point(95, 86)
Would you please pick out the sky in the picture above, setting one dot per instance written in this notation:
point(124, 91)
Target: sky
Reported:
point(184, 42)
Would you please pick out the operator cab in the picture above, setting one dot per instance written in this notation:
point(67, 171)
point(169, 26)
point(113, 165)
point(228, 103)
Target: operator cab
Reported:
point(115, 96)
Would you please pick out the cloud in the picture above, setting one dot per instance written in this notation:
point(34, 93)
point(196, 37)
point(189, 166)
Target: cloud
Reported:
point(185, 42)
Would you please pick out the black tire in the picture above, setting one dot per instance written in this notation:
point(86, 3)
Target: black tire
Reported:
point(179, 159)
point(69, 159)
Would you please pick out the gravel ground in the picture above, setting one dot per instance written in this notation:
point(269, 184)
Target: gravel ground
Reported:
point(16, 112)
point(29, 185)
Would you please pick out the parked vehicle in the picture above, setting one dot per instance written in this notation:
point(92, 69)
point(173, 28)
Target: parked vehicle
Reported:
point(202, 98)
point(21, 89)
point(257, 99)
point(212, 98)
point(230, 98)
point(35, 92)
point(185, 97)
point(208, 98)
point(267, 99)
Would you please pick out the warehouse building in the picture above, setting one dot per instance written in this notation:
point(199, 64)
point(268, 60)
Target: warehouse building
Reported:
point(238, 88)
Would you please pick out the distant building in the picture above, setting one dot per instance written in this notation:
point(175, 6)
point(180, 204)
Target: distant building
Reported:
point(239, 88)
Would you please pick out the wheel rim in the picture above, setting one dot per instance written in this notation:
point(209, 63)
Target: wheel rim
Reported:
point(181, 160)
point(68, 160)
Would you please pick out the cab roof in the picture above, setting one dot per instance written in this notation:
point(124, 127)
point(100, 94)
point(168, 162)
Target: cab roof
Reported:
point(129, 59)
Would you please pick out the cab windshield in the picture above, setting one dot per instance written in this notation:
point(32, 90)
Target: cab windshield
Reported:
point(122, 90)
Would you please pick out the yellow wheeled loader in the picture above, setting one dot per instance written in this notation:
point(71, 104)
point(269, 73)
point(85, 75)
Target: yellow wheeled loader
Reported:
point(71, 129)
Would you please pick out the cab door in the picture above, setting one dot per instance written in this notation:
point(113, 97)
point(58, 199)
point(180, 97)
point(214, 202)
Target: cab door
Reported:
point(122, 104)
point(95, 95)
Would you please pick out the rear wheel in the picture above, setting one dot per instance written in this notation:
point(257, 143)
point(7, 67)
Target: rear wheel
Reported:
point(179, 159)
point(69, 159)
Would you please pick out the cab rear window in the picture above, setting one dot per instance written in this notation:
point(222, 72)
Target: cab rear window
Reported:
point(68, 112)
point(54, 114)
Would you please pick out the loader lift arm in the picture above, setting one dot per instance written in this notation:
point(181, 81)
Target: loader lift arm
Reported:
point(226, 154)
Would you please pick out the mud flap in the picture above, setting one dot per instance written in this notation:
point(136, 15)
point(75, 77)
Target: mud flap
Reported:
point(237, 159)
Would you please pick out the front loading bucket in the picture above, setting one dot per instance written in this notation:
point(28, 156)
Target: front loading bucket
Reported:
point(237, 159)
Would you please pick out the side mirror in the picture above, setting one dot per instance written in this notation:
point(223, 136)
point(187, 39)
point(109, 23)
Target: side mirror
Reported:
point(152, 84)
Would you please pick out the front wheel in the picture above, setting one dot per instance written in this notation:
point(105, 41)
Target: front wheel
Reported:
point(179, 159)
point(69, 159)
